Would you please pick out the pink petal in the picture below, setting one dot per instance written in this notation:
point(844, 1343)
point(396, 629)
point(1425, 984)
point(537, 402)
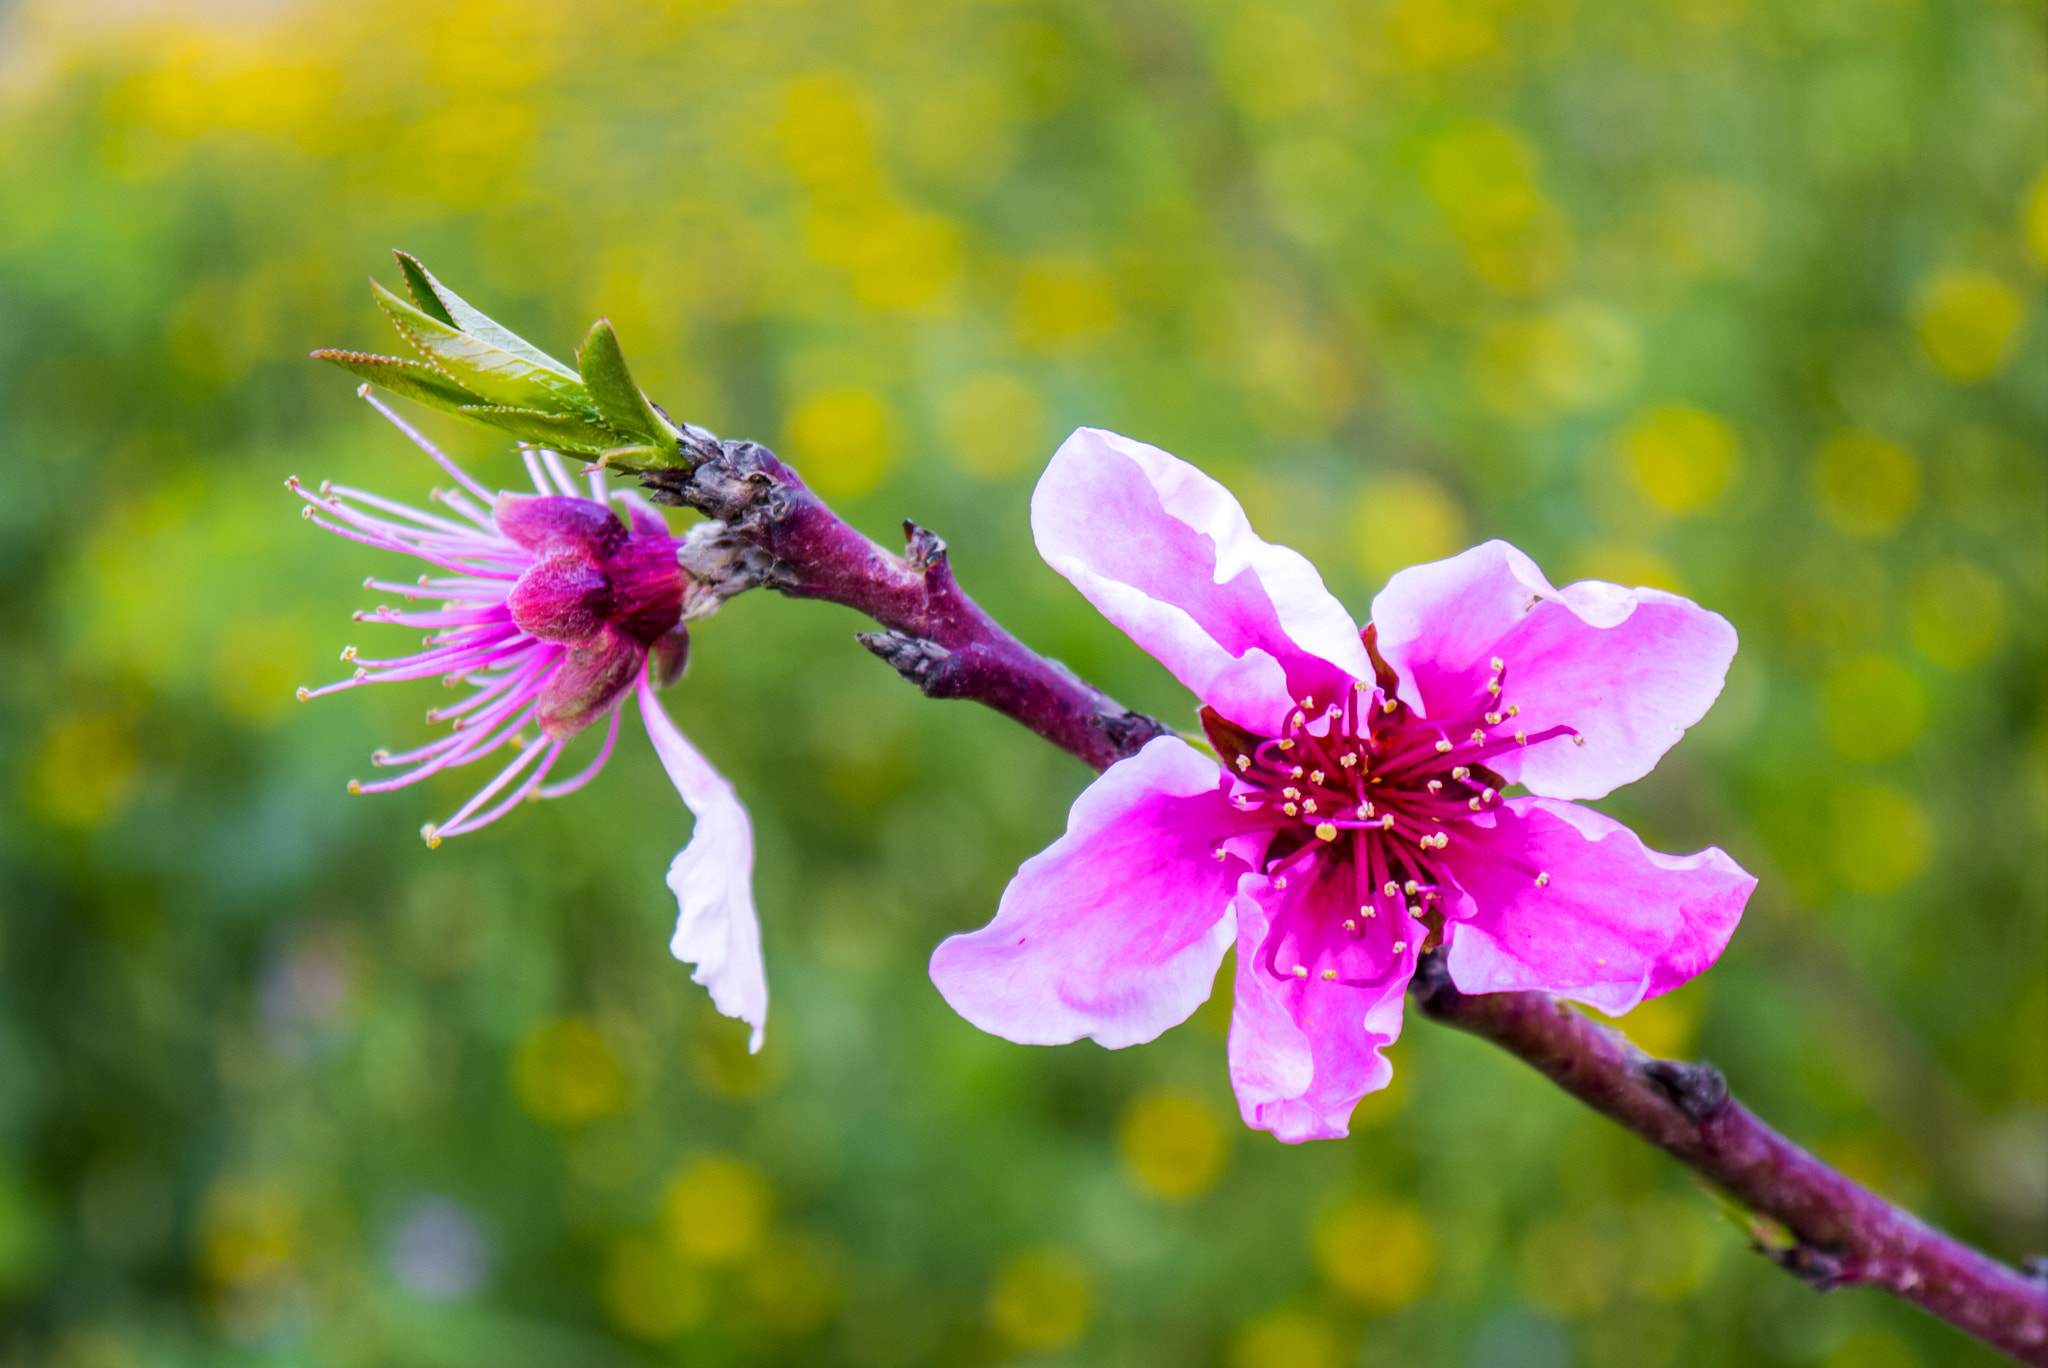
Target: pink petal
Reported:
point(1114, 930)
point(1615, 923)
point(555, 522)
point(1165, 553)
point(712, 878)
point(1628, 669)
point(1304, 1049)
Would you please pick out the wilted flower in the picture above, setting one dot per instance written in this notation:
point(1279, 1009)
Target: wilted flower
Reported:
point(1356, 810)
point(551, 610)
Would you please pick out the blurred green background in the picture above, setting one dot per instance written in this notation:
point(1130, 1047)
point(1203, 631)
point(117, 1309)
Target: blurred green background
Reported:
point(1736, 297)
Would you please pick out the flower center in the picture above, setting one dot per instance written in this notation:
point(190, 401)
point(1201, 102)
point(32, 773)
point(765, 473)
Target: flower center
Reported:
point(1361, 792)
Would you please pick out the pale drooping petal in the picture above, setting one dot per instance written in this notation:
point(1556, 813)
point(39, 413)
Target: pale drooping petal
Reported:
point(1115, 930)
point(1305, 1048)
point(1611, 922)
point(1166, 553)
point(1628, 669)
point(712, 878)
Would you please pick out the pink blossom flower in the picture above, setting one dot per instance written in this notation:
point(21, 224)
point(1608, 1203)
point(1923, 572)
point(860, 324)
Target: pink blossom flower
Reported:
point(1359, 812)
point(551, 610)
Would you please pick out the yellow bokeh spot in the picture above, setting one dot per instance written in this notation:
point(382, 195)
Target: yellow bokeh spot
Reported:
point(1968, 322)
point(567, 1074)
point(1376, 1254)
point(1173, 1145)
point(717, 1210)
point(794, 1285)
point(1878, 837)
point(1712, 226)
point(1428, 35)
point(85, 774)
point(720, 1060)
point(1483, 176)
point(1402, 520)
point(993, 425)
point(898, 258)
point(1958, 614)
point(2034, 220)
point(1041, 1299)
point(839, 439)
point(1063, 304)
point(649, 1292)
point(1682, 457)
point(1872, 1349)
point(1631, 566)
point(250, 1233)
point(826, 140)
point(1285, 1339)
point(1875, 708)
point(1570, 1267)
point(1665, 1026)
point(1530, 370)
point(257, 664)
point(1865, 484)
point(1672, 1244)
point(1265, 41)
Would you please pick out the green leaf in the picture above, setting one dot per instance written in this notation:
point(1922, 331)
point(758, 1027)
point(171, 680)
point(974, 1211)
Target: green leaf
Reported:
point(424, 289)
point(563, 433)
point(632, 460)
point(498, 376)
point(611, 387)
point(409, 378)
point(452, 309)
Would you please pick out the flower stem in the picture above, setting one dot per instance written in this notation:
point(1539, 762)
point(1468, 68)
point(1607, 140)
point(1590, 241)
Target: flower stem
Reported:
point(1821, 1226)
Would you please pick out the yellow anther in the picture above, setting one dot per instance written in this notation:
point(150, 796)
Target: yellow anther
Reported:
point(1348, 761)
point(1478, 735)
point(355, 786)
point(1287, 744)
point(1499, 664)
point(1543, 881)
point(1326, 831)
point(1390, 705)
point(1294, 773)
point(1472, 803)
point(1301, 971)
point(1400, 947)
point(1244, 762)
point(1308, 702)
point(1461, 772)
point(1493, 719)
point(1315, 776)
point(1443, 747)
point(1436, 786)
point(1414, 911)
point(1521, 738)
point(1299, 719)
point(1365, 809)
point(430, 836)
point(1493, 685)
point(1488, 794)
point(1329, 974)
point(348, 653)
point(304, 693)
point(1290, 793)
point(1308, 805)
point(1359, 685)
point(1218, 852)
point(1514, 710)
point(1291, 810)
point(1365, 912)
point(1280, 881)
point(1578, 740)
point(1350, 926)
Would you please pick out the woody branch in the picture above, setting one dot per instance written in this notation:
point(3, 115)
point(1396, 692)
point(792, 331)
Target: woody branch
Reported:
point(1819, 1224)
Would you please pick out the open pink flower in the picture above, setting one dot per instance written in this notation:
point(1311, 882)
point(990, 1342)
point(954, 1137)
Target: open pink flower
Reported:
point(552, 609)
point(1359, 812)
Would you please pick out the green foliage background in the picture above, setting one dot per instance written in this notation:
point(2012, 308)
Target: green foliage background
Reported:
point(1736, 296)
